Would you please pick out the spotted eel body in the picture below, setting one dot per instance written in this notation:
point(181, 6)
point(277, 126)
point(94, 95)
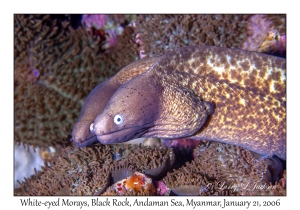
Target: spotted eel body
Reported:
point(203, 92)
point(248, 91)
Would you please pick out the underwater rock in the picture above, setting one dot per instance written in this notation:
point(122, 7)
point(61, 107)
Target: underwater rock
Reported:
point(25, 160)
point(152, 142)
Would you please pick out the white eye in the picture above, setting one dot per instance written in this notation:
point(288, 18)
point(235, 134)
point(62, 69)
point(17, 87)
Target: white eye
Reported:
point(92, 127)
point(118, 119)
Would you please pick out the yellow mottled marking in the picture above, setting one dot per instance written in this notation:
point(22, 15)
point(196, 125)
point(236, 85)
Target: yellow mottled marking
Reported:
point(242, 101)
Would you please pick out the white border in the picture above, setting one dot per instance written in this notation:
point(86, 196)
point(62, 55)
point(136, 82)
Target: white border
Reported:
point(8, 201)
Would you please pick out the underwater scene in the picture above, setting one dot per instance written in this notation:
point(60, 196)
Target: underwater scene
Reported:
point(150, 105)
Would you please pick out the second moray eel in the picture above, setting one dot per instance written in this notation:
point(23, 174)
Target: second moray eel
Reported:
point(203, 92)
point(98, 98)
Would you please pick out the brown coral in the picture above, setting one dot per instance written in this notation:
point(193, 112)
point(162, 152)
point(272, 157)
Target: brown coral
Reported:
point(226, 169)
point(188, 181)
point(158, 34)
point(55, 68)
point(75, 172)
point(218, 169)
point(89, 171)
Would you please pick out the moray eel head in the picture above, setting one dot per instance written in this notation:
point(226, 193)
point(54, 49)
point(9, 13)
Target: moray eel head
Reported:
point(145, 108)
point(129, 114)
point(82, 135)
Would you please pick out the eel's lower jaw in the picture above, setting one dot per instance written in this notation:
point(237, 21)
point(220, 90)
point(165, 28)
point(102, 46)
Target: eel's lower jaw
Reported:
point(87, 142)
point(121, 135)
point(81, 134)
point(110, 139)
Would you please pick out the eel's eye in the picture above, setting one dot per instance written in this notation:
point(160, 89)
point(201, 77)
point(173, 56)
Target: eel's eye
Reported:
point(92, 127)
point(118, 119)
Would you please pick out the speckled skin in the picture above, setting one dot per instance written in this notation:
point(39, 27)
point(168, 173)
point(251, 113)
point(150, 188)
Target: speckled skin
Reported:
point(248, 90)
point(203, 92)
point(98, 98)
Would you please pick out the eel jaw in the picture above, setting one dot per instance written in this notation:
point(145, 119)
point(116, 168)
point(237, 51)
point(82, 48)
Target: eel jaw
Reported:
point(81, 135)
point(122, 135)
point(108, 132)
point(87, 142)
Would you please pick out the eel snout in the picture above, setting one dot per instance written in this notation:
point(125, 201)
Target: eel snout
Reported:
point(109, 129)
point(82, 136)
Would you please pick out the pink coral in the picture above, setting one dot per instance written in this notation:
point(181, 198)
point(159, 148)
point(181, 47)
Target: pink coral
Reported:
point(258, 28)
point(96, 21)
point(111, 38)
point(162, 189)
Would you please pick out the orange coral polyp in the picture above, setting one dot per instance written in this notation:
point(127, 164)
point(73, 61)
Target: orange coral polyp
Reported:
point(138, 183)
point(135, 182)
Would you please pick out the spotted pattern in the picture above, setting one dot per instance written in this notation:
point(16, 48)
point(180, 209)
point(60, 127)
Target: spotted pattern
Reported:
point(248, 91)
point(134, 69)
point(142, 108)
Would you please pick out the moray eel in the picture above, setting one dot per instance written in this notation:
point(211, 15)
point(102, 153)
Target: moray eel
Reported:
point(203, 92)
point(98, 98)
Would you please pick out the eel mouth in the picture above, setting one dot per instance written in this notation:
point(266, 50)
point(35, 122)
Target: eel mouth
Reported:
point(89, 140)
point(121, 135)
